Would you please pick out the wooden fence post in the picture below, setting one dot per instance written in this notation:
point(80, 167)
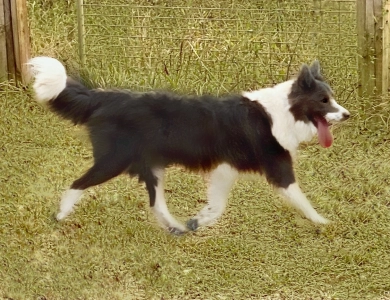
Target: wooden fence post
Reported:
point(14, 41)
point(386, 44)
point(373, 44)
point(3, 45)
point(81, 31)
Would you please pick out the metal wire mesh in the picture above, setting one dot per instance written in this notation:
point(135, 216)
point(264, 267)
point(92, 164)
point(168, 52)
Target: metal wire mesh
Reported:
point(221, 45)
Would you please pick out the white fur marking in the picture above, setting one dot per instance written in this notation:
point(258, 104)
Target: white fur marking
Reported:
point(50, 78)
point(339, 115)
point(288, 132)
point(160, 208)
point(297, 199)
point(68, 200)
point(221, 179)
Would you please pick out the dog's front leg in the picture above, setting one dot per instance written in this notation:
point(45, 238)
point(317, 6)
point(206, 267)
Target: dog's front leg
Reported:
point(281, 175)
point(297, 199)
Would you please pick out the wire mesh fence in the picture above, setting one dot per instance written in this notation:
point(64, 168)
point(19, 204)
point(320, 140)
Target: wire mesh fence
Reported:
point(204, 45)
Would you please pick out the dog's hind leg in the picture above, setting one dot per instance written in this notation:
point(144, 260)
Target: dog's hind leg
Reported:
point(298, 200)
point(222, 179)
point(154, 181)
point(104, 169)
point(68, 200)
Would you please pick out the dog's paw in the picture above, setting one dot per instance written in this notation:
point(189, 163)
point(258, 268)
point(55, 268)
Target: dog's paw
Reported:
point(61, 215)
point(319, 220)
point(192, 224)
point(176, 231)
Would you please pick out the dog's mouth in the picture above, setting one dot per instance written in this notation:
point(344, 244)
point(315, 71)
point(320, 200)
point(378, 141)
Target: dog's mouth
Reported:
point(325, 137)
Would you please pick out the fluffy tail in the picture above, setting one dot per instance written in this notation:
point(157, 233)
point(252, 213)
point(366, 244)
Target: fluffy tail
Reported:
point(64, 96)
point(50, 78)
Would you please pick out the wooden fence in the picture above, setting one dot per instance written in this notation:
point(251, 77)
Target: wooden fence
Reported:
point(14, 41)
point(373, 40)
point(373, 34)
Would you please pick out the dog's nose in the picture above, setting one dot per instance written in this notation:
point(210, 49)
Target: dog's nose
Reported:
point(346, 115)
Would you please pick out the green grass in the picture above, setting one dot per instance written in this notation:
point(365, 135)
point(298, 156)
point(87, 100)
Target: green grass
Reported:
point(112, 248)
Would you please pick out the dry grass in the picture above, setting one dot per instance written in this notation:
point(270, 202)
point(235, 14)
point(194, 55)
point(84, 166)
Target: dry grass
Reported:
point(111, 247)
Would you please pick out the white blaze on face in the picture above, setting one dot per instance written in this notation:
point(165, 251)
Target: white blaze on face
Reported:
point(340, 115)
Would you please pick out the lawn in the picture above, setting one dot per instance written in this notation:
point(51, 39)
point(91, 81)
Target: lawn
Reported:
point(112, 248)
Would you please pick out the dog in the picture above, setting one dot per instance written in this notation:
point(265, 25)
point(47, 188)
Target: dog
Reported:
point(141, 134)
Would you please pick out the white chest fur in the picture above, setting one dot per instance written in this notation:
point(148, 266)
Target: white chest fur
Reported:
point(288, 132)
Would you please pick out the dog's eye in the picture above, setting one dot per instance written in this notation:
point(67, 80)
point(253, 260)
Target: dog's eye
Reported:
point(324, 100)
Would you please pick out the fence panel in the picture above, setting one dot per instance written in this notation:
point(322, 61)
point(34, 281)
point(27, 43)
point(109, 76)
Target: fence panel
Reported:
point(219, 46)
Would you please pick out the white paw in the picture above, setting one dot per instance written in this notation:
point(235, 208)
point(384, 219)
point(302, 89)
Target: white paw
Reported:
point(61, 215)
point(318, 219)
point(175, 227)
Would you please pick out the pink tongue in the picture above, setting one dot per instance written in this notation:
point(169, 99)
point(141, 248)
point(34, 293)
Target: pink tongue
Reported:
point(324, 136)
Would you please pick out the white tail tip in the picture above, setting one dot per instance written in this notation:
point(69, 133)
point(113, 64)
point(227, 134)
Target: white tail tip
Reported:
point(50, 78)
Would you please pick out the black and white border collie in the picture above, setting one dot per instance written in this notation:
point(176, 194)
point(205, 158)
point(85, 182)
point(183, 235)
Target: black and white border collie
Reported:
point(141, 134)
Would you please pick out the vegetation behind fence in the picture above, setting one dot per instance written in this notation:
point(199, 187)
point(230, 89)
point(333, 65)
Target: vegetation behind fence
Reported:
point(223, 46)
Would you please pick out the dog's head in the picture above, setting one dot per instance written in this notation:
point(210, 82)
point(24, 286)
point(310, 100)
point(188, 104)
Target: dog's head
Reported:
point(311, 100)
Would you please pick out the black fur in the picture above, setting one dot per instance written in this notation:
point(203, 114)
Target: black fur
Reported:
point(137, 132)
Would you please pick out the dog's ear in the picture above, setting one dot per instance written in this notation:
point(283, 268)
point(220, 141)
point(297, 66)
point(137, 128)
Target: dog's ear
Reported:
point(305, 78)
point(315, 70)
